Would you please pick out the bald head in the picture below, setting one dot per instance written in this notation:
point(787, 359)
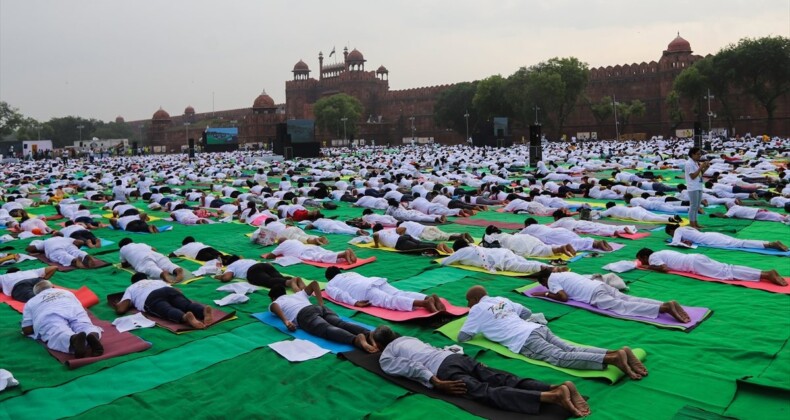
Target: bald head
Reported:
point(474, 294)
point(41, 286)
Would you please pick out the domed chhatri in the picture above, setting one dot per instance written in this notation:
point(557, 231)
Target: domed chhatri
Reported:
point(301, 66)
point(679, 45)
point(161, 115)
point(264, 101)
point(355, 56)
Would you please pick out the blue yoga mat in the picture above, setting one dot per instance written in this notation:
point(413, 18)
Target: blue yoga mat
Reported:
point(764, 251)
point(272, 319)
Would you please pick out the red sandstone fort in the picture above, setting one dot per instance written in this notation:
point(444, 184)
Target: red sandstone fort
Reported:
point(387, 114)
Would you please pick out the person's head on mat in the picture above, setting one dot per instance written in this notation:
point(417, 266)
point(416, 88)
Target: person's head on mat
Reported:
point(188, 240)
point(558, 214)
point(276, 291)
point(530, 221)
point(227, 260)
point(139, 276)
point(643, 255)
point(610, 204)
point(382, 336)
point(460, 243)
point(671, 228)
point(491, 229)
point(542, 276)
point(41, 286)
point(331, 272)
point(123, 242)
point(474, 294)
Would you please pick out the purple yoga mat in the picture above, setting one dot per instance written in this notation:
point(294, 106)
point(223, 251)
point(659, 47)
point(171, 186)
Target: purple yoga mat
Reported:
point(697, 314)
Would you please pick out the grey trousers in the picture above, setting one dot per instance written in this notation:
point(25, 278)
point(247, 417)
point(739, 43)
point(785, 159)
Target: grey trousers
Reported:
point(543, 345)
point(607, 297)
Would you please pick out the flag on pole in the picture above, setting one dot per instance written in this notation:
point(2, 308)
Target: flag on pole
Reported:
point(333, 52)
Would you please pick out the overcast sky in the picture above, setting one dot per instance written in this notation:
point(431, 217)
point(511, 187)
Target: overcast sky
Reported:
point(103, 58)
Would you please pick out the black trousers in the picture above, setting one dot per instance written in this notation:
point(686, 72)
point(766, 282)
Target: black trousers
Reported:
point(323, 322)
point(169, 303)
point(497, 389)
point(23, 291)
point(408, 243)
point(208, 254)
point(264, 274)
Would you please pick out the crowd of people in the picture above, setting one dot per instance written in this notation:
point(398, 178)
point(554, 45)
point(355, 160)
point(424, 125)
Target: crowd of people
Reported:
point(402, 197)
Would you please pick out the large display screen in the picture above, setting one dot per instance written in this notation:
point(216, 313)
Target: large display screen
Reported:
point(301, 131)
point(221, 136)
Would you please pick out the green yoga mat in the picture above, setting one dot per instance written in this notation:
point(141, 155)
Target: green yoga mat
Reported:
point(138, 375)
point(611, 373)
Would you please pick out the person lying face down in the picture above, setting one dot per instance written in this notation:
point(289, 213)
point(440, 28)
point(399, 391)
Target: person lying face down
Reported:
point(458, 374)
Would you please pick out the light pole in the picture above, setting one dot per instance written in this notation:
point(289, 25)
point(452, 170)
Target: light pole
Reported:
point(80, 127)
point(413, 129)
point(711, 114)
point(616, 123)
point(345, 136)
point(536, 108)
point(186, 132)
point(466, 117)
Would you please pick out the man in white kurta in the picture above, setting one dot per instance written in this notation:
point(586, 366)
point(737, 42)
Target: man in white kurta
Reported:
point(689, 236)
point(57, 317)
point(639, 214)
point(493, 259)
point(702, 265)
point(355, 289)
point(144, 259)
point(585, 227)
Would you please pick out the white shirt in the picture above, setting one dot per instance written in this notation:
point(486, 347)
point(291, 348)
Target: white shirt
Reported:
point(350, 287)
point(292, 304)
point(413, 359)
point(135, 254)
point(499, 319)
point(413, 229)
point(190, 250)
point(576, 286)
point(46, 305)
point(138, 292)
point(239, 267)
point(388, 237)
point(696, 183)
point(10, 280)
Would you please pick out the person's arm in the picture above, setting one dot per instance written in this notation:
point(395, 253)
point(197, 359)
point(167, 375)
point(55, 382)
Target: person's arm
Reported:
point(315, 289)
point(268, 256)
point(27, 330)
point(225, 277)
point(376, 240)
point(660, 268)
point(123, 306)
point(275, 308)
point(559, 296)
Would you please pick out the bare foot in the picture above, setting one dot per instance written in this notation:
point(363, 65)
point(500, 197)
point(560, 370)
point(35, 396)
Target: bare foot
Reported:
point(361, 342)
point(561, 395)
point(430, 306)
point(77, 342)
point(634, 361)
point(677, 311)
point(350, 256)
point(189, 318)
point(468, 238)
point(620, 359)
point(208, 315)
point(438, 303)
point(576, 398)
point(777, 245)
point(95, 344)
point(775, 278)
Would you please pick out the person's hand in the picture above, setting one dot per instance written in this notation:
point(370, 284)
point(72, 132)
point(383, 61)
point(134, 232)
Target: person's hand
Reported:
point(449, 387)
point(362, 303)
point(689, 243)
point(291, 326)
point(542, 294)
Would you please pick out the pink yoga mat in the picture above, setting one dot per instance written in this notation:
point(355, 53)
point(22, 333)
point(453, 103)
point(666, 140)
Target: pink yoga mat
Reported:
point(759, 285)
point(632, 236)
point(399, 316)
point(115, 344)
point(484, 223)
point(344, 266)
point(86, 297)
point(697, 314)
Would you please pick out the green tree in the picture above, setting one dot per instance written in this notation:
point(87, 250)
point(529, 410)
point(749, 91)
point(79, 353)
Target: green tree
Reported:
point(761, 68)
point(489, 99)
point(601, 110)
point(675, 110)
point(10, 119)
point(626, 110)
point(114, 130)
point(556, 86)
point(691, 85)
point(329, 111)
point(65, 130)
point(453, 103)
